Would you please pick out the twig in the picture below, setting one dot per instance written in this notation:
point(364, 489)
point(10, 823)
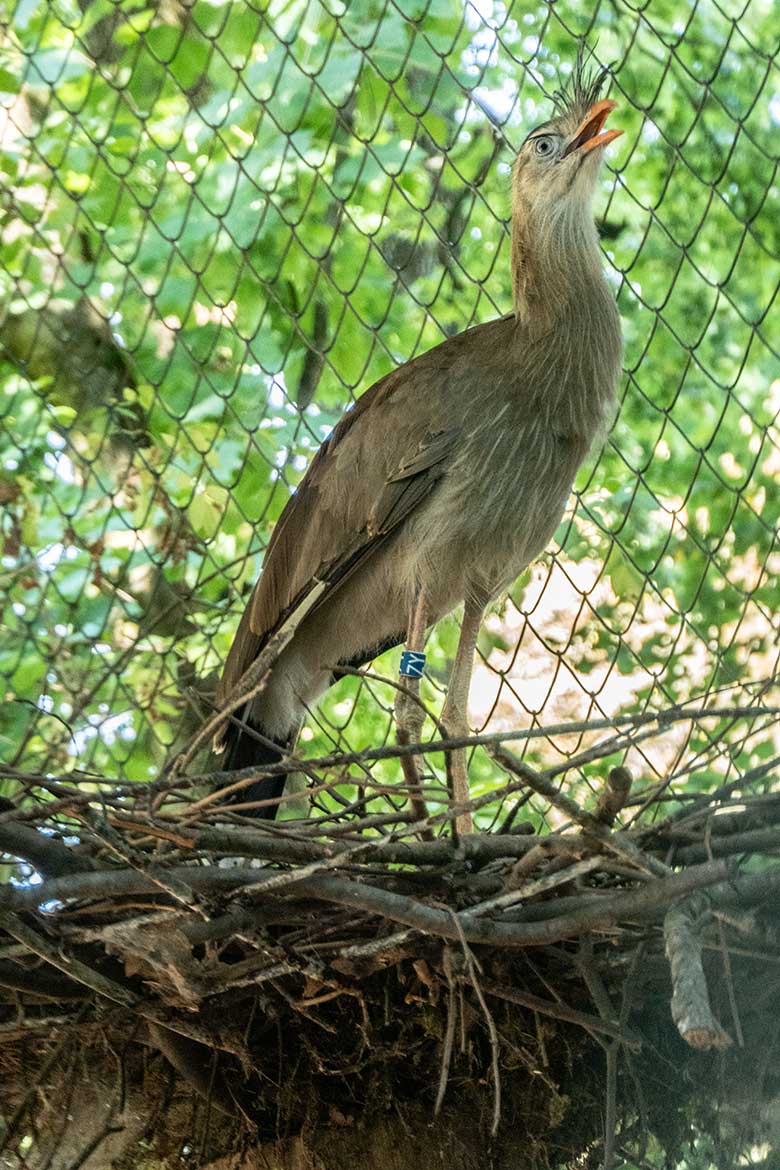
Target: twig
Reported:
point(603, 1003)
point(629, 985)
point(614, 795)
point(250, 685)
point(377, 946)
point(707, 801)
point(610, 1111)
point(765, 840)
point(590, 824)
point(449, 1035)
point(541, 886)
point(471, 966)
point(257, 842)
point(733, 1004)
point(659, 721)
point(560, 1011)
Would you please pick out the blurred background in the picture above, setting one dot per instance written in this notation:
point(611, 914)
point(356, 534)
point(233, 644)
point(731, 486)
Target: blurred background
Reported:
point(222, 221)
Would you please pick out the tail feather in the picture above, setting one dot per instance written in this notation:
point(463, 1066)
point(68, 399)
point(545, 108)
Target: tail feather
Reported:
point(246, 744)
point(244, 750)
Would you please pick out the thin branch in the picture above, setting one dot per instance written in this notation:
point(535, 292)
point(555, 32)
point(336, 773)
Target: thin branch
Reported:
point(471, 967)
point(559, 1011)
point(754, 841)
point(659, 721)
point(257, 842)
point(449, 1035)
point(250, 685)
point(591, 824)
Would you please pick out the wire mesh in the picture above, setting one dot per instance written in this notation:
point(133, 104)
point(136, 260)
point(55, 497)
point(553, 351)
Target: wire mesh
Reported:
point(221, 222)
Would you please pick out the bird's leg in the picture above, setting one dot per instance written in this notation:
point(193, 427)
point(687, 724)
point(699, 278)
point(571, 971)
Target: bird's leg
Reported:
point(455, 709)
point(409, 713)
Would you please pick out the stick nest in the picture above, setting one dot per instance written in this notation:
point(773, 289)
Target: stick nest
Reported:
point(356, 963)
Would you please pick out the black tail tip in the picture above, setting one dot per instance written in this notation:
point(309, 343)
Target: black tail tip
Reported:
point(243, 749)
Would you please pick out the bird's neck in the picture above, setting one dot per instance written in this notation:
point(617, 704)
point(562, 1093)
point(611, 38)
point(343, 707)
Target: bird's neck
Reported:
point(556, 262)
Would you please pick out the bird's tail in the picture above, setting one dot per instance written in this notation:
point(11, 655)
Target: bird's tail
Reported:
point(243, 749)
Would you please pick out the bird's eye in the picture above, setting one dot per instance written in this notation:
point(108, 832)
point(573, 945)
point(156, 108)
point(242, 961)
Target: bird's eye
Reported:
point(544, 146)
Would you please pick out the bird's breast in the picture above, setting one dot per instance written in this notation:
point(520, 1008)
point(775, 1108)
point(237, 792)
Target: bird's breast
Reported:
point(523, 440)
point(495, 511)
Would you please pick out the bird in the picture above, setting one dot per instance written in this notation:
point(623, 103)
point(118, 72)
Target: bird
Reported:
point(445, 479)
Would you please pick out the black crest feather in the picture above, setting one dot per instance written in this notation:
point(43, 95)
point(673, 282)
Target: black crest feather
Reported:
point(584, 86)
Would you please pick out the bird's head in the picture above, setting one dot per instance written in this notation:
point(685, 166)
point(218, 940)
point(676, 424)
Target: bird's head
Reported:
point(559, 159)
point(553, 182)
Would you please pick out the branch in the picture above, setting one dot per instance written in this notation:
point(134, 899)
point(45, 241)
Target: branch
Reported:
point(707, 800)
point(609, 910)
point(663, 719)
point(591, 824)
point(251, 684)
point(691, 1009)
point(765, 840)
point(614, 795)
point(560, 1011)
point(271, 846)
point(46, 854)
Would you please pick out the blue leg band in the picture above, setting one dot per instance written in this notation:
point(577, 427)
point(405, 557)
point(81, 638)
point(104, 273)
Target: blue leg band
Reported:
point(412, 663)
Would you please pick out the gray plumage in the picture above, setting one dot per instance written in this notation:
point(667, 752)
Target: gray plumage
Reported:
point(450, 474)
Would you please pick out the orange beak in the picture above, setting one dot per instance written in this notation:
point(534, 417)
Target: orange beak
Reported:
point(590, 134)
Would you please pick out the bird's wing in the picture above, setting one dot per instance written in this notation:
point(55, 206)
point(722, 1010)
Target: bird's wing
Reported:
point(411, 482)
point(380, 462)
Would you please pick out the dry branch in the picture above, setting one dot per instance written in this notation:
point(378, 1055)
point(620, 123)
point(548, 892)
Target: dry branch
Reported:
point(691, 1009)
point(358, 895)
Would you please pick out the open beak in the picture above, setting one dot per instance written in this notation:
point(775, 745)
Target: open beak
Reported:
point(590, 134)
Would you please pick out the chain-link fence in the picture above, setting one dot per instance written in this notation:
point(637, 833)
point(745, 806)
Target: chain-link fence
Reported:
point(222, 222)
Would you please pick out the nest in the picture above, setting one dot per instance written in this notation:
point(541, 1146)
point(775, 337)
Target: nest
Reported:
point(359, 977)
